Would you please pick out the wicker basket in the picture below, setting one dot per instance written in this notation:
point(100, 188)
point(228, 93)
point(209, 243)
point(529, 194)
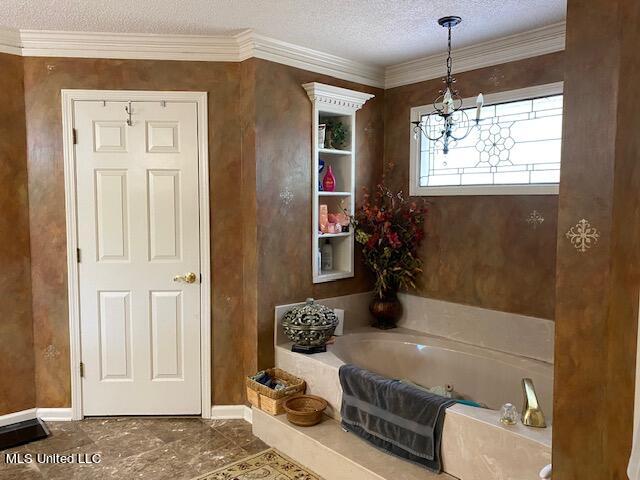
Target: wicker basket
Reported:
point(269, 400)
point(305, 410)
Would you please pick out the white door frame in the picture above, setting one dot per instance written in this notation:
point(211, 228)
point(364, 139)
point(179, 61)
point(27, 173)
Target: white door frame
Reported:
point(68, 99)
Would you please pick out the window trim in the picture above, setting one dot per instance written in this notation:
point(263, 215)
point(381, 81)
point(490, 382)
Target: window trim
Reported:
point(415, 189)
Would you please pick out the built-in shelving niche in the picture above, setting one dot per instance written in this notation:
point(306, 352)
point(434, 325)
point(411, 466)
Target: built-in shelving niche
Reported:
point(334, 103)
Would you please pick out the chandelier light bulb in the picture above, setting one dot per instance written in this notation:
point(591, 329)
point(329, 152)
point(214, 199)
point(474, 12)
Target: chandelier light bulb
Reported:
point(479, 104)
point(447, 101)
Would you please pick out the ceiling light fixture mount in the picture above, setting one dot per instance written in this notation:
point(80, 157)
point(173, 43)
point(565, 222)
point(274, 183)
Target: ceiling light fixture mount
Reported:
point(448, 122)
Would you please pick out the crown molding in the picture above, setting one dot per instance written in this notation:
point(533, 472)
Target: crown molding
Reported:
point(248, 44)
point(349, 100)
point(10, 42)
point(216, 48)
point(43, 43)
point(528, 44)
point(258, 46)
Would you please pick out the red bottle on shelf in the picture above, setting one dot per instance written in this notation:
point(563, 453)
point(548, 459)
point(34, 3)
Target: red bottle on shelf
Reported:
point(329, 181)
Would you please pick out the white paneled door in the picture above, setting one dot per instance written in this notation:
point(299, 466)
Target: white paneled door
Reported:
point(138, 236)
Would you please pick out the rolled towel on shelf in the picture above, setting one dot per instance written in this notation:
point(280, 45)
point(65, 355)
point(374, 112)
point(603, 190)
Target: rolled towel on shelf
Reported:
point(259, 376)
point(265, 379)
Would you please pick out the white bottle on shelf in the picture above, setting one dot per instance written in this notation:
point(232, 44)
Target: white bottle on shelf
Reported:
point(327, 256)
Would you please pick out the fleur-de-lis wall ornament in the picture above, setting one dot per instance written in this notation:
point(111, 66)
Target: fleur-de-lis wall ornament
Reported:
point(51, 352)
point(583, 235)
point(287, 196)
point(535, 219)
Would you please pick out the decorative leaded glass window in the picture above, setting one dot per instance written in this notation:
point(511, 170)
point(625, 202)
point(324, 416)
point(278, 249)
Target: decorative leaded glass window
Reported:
point(514, 150)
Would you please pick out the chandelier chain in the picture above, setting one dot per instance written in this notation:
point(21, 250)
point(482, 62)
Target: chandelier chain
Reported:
point(449, 79)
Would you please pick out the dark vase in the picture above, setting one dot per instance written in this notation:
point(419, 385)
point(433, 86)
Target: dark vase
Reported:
point(385, 310)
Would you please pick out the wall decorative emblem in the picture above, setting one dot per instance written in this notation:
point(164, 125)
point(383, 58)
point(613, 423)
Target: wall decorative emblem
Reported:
point(535, 219)
point(287, 196)
point(496, 77)
point(51, 353)
point(583, 235)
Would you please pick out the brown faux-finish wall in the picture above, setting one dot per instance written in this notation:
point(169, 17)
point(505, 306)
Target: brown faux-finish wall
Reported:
point(44, 78)
point(259, 146)
point(597, 290)
point(283, 188)
point(479, 250)
point(17, 390)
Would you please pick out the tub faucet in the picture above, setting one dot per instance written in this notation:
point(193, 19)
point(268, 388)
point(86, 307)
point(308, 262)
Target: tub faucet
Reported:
point(532, 415)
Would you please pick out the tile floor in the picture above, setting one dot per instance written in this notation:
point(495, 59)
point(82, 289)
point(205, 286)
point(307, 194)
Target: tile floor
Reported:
point(140, 448)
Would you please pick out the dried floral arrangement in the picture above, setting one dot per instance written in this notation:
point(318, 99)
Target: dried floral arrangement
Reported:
point(390, 229)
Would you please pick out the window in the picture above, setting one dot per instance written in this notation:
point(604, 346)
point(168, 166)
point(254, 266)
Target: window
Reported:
point(514, 150)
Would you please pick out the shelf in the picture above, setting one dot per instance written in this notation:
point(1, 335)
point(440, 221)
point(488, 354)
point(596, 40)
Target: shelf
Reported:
point(333, 151)
point(334, 235)
point(333, 104)
point(330, 275)
point(333, 194)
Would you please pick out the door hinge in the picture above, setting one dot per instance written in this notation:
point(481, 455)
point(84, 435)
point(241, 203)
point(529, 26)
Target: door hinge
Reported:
point(81, 369)
point(75, 136)
point(78, 254)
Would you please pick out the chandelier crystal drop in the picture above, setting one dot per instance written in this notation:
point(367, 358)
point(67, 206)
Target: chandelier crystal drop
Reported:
point(448, 121)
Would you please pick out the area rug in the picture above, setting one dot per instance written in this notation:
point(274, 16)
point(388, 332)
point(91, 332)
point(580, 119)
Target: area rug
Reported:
point(267, 465)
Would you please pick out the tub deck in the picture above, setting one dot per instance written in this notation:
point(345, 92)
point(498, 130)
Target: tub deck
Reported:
point(475, 445)
point(333, 453)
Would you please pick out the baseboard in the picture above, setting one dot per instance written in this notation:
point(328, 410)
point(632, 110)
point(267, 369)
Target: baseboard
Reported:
point(229, 412)
point(55, 414)
point(16, 417)
point(218, 412)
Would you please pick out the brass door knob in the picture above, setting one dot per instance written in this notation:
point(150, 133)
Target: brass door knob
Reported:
point(188, 277)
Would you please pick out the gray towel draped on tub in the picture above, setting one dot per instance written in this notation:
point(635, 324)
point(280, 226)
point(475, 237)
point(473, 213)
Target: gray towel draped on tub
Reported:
point(394, 416)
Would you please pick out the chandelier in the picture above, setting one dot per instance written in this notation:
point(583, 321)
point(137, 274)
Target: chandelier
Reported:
point(448, 121)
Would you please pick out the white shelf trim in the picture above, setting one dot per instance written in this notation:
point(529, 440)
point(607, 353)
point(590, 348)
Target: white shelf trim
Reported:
point(340, 100)
point(330, 276)
point(334, 151)
point(327, 99)
point(334, 194)
point(333, 235)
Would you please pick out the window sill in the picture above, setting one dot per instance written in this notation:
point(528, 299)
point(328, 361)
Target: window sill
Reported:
point(481, 190)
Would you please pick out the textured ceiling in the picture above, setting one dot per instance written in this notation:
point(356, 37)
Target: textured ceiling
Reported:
point(380, 32)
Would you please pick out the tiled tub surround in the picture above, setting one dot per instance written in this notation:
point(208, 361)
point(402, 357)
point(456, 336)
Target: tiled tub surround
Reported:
point(521, 335)
point(476, 446)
